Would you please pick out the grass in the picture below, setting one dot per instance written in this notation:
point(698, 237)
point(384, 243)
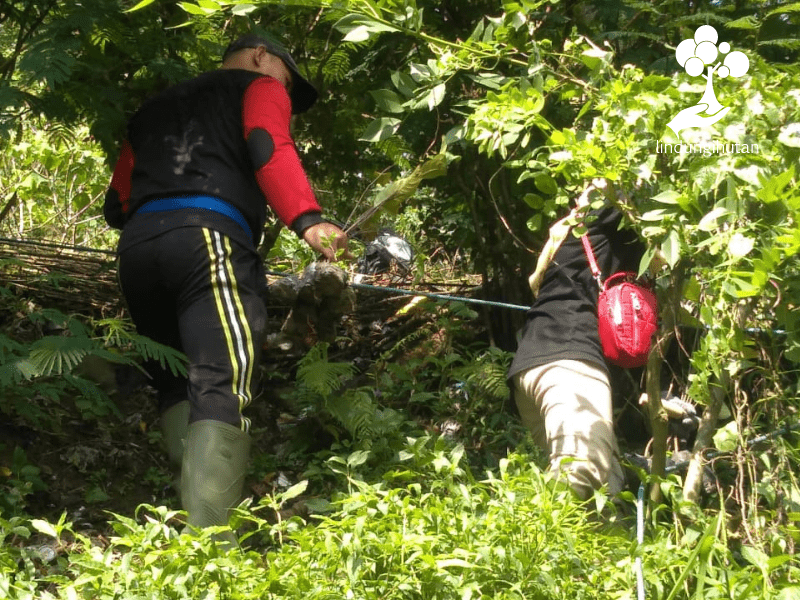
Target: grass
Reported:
point(427, 528)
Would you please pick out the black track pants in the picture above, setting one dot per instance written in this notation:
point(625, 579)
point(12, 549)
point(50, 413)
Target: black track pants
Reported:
point(198, 291)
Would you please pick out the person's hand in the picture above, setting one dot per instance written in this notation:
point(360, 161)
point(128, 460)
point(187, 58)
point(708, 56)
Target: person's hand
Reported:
point(329, 240)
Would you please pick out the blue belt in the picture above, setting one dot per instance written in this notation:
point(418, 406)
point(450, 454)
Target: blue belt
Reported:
point(204, 202)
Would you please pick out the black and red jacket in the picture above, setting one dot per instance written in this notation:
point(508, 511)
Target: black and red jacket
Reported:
point(223, 134)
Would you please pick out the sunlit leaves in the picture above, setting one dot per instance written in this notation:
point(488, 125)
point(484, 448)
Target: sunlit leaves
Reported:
point(505, 119)
point(140, 5)
point(359, 28)
point(775, 188)
point(790, 135)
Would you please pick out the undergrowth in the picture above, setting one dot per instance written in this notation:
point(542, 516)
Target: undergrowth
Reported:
point(430, 527)
point(428, 489)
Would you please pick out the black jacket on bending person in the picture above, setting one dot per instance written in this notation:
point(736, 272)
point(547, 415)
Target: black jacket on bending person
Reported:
point(562, 323)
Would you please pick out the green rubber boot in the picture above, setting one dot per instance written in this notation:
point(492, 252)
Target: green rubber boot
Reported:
point(174, 427)
point(214, 465)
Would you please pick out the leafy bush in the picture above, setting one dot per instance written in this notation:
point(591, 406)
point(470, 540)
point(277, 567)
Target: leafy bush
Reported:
point(429, 529)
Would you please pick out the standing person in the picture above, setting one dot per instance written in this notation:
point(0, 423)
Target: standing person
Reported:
point(559, 376)
point(201, 162)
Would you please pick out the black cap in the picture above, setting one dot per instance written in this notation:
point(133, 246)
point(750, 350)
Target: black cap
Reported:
point(303, 93)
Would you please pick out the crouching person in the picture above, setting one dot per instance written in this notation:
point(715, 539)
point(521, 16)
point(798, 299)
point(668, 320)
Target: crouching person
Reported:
point(559, 376)
point(201, 163)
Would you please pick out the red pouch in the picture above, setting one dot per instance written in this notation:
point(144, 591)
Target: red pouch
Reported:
point(627, 318)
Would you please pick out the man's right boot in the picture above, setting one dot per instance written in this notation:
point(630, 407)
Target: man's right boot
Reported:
point(212, 478)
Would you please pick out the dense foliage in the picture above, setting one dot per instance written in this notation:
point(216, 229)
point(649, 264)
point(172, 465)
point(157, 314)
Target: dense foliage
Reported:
point(468, 127)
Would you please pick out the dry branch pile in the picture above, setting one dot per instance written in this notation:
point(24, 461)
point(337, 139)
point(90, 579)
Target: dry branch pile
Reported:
point(55, 277)
point(302, 308)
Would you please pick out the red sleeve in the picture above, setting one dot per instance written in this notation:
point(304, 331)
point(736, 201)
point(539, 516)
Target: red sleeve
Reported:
point(119, 192)
point(282, 178)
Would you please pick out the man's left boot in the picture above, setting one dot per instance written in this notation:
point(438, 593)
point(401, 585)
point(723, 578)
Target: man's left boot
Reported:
point(212, 478)
point(174, 429)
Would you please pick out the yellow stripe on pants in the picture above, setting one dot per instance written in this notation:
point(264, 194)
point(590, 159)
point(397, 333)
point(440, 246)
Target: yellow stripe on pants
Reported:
point(231, 313)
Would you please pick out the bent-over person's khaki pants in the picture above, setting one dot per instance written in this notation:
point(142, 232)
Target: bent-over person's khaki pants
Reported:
point(567, 406)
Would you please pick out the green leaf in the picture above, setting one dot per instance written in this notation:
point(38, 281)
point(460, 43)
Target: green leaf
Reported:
point(671, 248)
point(435, 96)
point(493, 81)
point(594, 57)
point(776, 561)
point(709, 222)
point(535, 201)
point(380, 129)
point(756, 557)
point(44, 527)
point(654, 215)
point(546, 184)
point(726, 439)
point(294, 491)
point(446, 563)
point(774, 188)
point(432, 168)
point(194, 9)
point(318, 374)
point(388, 101)
point(95, 495)
point(358, 34)
point(667, 197)
point(785, 43)
point(141, 4)
point(791, 592)
point(57, 354)
point(404, 83)
point(242, 10)
point(359, 28)
point(209, 5)
point(742, 288)
point(790, 135)
point(357, 458)
point(24, 367)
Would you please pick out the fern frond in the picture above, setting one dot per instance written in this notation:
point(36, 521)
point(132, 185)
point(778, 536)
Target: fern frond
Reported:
point(487, 373)
point(116, 332)
point(786, 44)
point(119, 335)
point(58, 354)
point(387, 421)
point(356, 412)
point(167, 357)
point(402, 343)
point(337, 67)
point(492, 381)
point(316, 373)
point(50, 61)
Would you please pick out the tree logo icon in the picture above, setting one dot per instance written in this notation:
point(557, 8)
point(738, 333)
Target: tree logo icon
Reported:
point(700, 56)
